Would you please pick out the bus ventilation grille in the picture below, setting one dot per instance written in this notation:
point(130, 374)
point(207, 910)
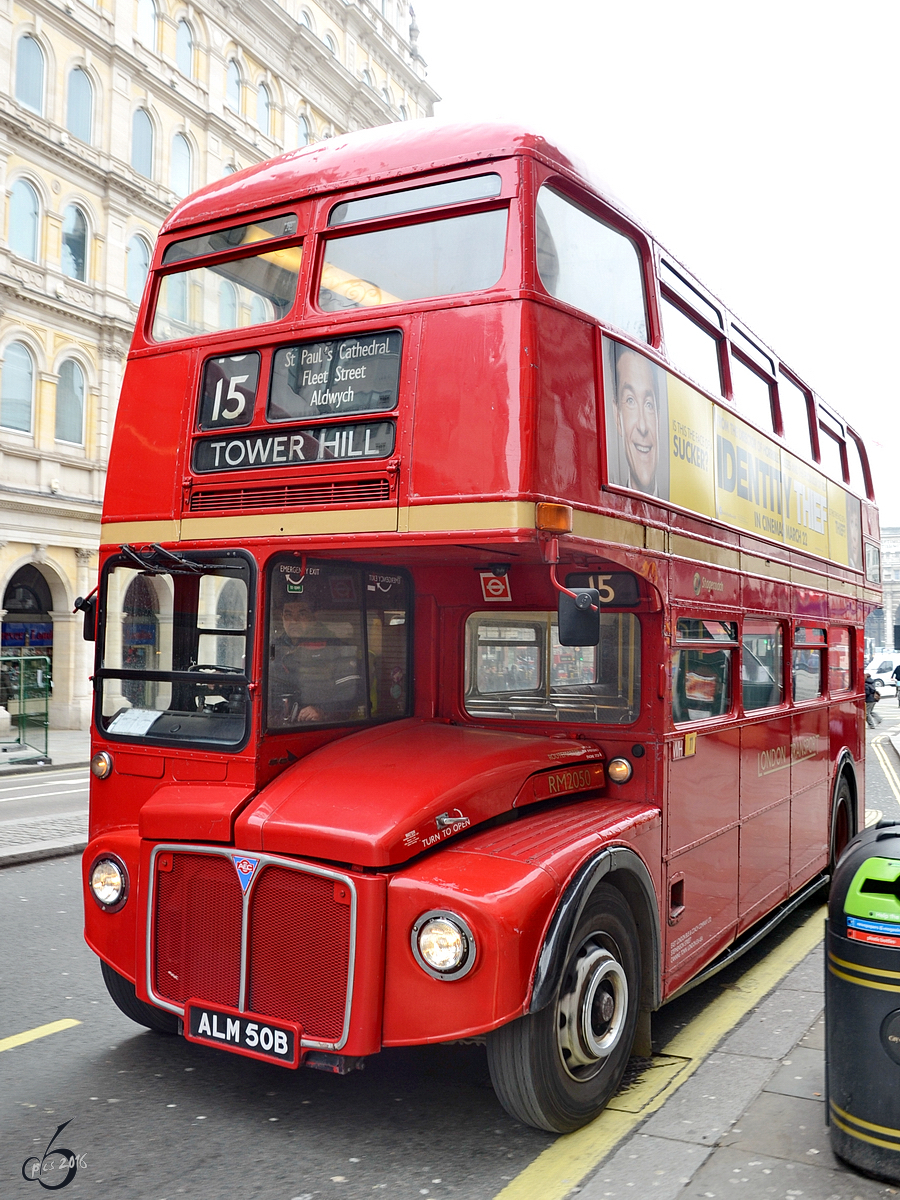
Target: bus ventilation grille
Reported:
point(292, 495)
point(298, 953)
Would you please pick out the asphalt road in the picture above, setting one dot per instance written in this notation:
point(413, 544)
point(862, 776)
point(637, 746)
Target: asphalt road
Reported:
point(55, 793)
point(157, 1118)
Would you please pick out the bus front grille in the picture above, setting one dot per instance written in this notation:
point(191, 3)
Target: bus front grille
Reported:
point(291, 495)
point(299, 930)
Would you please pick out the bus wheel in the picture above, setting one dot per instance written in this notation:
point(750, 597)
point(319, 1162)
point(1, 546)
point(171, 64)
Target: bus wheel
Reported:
point(123, 994)
point(841, 821)
point(557, 1068)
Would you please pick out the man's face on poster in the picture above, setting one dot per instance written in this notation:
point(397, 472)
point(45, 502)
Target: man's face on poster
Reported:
point(637, 418)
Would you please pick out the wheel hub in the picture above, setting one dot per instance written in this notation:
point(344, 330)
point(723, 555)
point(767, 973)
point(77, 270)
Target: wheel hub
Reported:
point(592, 1011)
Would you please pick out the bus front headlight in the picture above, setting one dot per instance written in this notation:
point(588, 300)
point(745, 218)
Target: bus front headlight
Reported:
point(443, 945)
point(109, 882)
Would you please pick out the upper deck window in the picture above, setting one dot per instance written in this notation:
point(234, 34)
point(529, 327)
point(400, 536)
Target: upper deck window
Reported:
point(413, 262)
point(436, 195)
point(230, 239)
point(691, 348)
point(232, 294)
point(588, 264)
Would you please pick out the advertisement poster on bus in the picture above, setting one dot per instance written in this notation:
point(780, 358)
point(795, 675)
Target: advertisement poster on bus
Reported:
point(668, 440)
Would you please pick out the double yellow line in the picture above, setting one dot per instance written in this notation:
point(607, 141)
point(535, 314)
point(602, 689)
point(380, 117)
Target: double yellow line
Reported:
point(564, 1164)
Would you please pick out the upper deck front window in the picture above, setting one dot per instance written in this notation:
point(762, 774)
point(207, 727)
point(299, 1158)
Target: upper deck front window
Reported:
point(588, 264)
point(230, 294)
point(440, 257)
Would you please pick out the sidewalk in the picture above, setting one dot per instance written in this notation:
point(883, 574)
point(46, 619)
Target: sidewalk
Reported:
point(55, 800)
point(65, 748)
point(750, 1122)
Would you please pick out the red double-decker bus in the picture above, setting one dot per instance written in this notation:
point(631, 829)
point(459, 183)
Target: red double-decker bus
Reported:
point(479, 626)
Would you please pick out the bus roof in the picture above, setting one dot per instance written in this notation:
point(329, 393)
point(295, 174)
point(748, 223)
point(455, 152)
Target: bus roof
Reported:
point(355, 159)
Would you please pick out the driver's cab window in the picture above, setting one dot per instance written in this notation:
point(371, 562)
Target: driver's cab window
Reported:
point(338, 644)
point(702, 668)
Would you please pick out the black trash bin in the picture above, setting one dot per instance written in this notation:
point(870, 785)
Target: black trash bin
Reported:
point(862, 1003)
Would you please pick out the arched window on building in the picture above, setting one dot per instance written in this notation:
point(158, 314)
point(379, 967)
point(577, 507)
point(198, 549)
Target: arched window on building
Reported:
point(330, 44)
point(263, 108)
point(142, 143)
point(229, 169)
point(146, 23)
point(233, 86)
point(24, 214)
point(80, 105)
point(16, 388)
point(184, 49)
point(74, 243)
point(180, 175)
point(30, 74)
point(261, 310)
point(70, 403)
point(306, 19)
point(387, 97)
point(304, 134)
point(404, 113)
point(367, 78)
point(136, 267)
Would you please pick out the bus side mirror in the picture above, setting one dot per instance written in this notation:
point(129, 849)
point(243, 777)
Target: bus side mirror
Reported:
point(579, 623)
point(88, 606)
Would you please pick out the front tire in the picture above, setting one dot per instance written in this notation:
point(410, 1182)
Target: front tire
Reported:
point(123, 994)
point(841, 822)
point(556, 1069)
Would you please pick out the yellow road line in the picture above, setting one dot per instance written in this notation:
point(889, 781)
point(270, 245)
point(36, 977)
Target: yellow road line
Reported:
point(31, 1035)
point(568, 1160)
point(886, 765)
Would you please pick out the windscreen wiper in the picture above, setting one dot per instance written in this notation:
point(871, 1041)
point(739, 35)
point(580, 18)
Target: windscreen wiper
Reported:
point(159, 561)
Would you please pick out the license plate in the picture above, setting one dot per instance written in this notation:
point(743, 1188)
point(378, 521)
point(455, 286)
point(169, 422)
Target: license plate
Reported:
point(243, 1033)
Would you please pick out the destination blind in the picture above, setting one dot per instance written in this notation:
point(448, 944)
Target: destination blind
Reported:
point(293, 447)
point(315, 380)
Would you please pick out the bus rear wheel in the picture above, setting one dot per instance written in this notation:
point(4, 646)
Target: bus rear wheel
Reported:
point(556, 1069)
point(123, 994)
point(841, 821)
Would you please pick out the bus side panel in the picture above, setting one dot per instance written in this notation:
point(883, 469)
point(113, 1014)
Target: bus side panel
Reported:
point(145, 458)
point(765, 817)
point(567, 447)
point(470, 434)
point(703, 844)
point(810, 801)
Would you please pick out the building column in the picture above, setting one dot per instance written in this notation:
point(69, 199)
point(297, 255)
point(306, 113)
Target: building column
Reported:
point(82, 695)
point(62, 713)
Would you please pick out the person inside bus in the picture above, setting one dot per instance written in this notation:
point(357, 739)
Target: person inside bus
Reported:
point(313, 676)
point(637, 419)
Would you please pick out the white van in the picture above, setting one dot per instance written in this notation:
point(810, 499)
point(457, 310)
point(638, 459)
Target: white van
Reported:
point(881, 668)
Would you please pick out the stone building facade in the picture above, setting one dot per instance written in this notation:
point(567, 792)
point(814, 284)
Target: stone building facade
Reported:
point(111, 111)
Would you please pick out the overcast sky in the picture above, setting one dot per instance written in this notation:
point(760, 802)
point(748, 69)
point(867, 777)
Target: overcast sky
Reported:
point(759, 143)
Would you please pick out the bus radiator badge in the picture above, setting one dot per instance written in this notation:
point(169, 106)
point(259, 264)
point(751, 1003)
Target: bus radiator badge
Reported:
point(245, 868)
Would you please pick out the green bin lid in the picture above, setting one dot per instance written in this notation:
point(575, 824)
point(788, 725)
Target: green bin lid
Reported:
point(875, 890)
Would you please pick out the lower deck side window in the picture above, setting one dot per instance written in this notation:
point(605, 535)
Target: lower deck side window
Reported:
point(516, 668)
